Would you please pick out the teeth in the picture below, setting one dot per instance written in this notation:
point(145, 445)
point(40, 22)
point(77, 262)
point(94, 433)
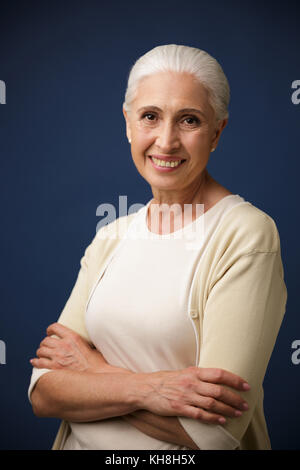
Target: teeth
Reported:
point(164, 163)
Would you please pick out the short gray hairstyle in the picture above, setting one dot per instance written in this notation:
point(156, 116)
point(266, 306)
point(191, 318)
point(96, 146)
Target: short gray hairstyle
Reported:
point(197, 62)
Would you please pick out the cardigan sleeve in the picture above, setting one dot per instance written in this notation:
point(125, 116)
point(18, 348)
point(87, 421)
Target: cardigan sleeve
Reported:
point(242, 317)
point(72, 315)
point(95, 255)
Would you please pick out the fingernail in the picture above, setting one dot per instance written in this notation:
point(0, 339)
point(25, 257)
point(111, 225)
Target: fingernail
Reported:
point(245, 406)
point(246, 386)
point(238, 413)
point(222, 420)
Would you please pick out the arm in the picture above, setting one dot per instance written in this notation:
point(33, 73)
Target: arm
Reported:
point(79, 374)
point(92, 389)
point(62, 393)
point(241, 321)
point(84, 376)
point(83, 396)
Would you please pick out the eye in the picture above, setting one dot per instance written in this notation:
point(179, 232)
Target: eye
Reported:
point(191, 121)
point(148, 117)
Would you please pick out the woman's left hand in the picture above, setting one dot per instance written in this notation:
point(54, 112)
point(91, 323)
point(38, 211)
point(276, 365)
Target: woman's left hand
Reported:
point(68, 350)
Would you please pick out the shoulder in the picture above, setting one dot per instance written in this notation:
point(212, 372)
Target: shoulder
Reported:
point(109, 235)
point(249, 229)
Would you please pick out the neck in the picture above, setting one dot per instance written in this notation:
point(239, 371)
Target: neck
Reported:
point(196, 193)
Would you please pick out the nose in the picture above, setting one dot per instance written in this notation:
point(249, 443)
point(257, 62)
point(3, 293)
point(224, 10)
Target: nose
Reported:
point(167, 137)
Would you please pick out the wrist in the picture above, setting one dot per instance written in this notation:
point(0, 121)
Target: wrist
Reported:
point(131, 395)
point(139, 390)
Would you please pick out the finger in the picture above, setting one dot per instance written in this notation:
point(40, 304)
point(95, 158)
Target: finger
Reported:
point(43, 363)
point(202, 415)
point(59, 330)
point(45, 352)
point(222, 395)
point(50, 342)
point(212, 405)
point(222, 376)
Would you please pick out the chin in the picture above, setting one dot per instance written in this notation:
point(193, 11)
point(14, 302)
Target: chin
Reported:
point(163, 185)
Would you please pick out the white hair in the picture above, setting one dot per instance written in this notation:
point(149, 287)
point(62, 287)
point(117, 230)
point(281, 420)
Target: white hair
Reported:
point(197, 62)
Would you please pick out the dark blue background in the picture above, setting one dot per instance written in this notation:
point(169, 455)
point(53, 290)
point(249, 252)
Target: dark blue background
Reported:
point(64, 151)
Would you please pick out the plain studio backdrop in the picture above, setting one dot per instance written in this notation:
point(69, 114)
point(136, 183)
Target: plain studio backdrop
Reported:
point(64, 152)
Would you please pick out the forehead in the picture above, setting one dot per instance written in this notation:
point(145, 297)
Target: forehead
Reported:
point(172, 88)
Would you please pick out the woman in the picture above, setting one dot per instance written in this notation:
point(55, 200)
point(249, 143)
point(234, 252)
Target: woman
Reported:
point(166, 337)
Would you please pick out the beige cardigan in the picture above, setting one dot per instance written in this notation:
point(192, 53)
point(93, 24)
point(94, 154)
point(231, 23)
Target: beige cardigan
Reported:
point(237, 303)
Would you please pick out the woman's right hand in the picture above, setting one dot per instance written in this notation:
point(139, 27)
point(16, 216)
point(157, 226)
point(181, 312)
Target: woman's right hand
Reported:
point(194, 392)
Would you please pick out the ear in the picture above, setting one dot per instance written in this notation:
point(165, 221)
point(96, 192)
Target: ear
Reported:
point(128, 130)
point(221, 126)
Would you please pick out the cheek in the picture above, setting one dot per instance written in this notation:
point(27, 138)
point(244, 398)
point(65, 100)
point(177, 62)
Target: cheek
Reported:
point(142, 140)
point(195, 142)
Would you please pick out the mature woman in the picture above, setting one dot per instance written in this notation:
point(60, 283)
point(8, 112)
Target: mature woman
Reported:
point(166, 337)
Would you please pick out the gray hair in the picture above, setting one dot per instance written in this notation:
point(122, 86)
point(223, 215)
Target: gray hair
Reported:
point(197, 62)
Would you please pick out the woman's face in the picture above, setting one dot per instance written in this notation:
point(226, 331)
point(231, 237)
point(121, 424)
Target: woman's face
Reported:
point(171, 120)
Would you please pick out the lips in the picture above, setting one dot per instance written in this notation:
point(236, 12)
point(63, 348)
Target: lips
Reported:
point(165, 164)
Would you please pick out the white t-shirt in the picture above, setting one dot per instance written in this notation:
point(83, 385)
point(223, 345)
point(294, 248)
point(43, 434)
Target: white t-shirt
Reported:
point(138, 317)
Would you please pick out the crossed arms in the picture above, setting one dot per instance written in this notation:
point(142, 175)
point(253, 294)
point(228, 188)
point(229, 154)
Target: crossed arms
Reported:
point(151, 402)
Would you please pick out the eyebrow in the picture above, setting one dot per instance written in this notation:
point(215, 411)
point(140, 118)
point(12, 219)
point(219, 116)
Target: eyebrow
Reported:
point(184, 110)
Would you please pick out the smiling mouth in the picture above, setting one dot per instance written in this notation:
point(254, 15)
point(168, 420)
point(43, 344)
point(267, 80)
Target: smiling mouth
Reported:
point(166, 163)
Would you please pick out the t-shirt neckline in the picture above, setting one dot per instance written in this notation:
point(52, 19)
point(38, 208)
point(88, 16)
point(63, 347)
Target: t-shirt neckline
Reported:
point(186, 227)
